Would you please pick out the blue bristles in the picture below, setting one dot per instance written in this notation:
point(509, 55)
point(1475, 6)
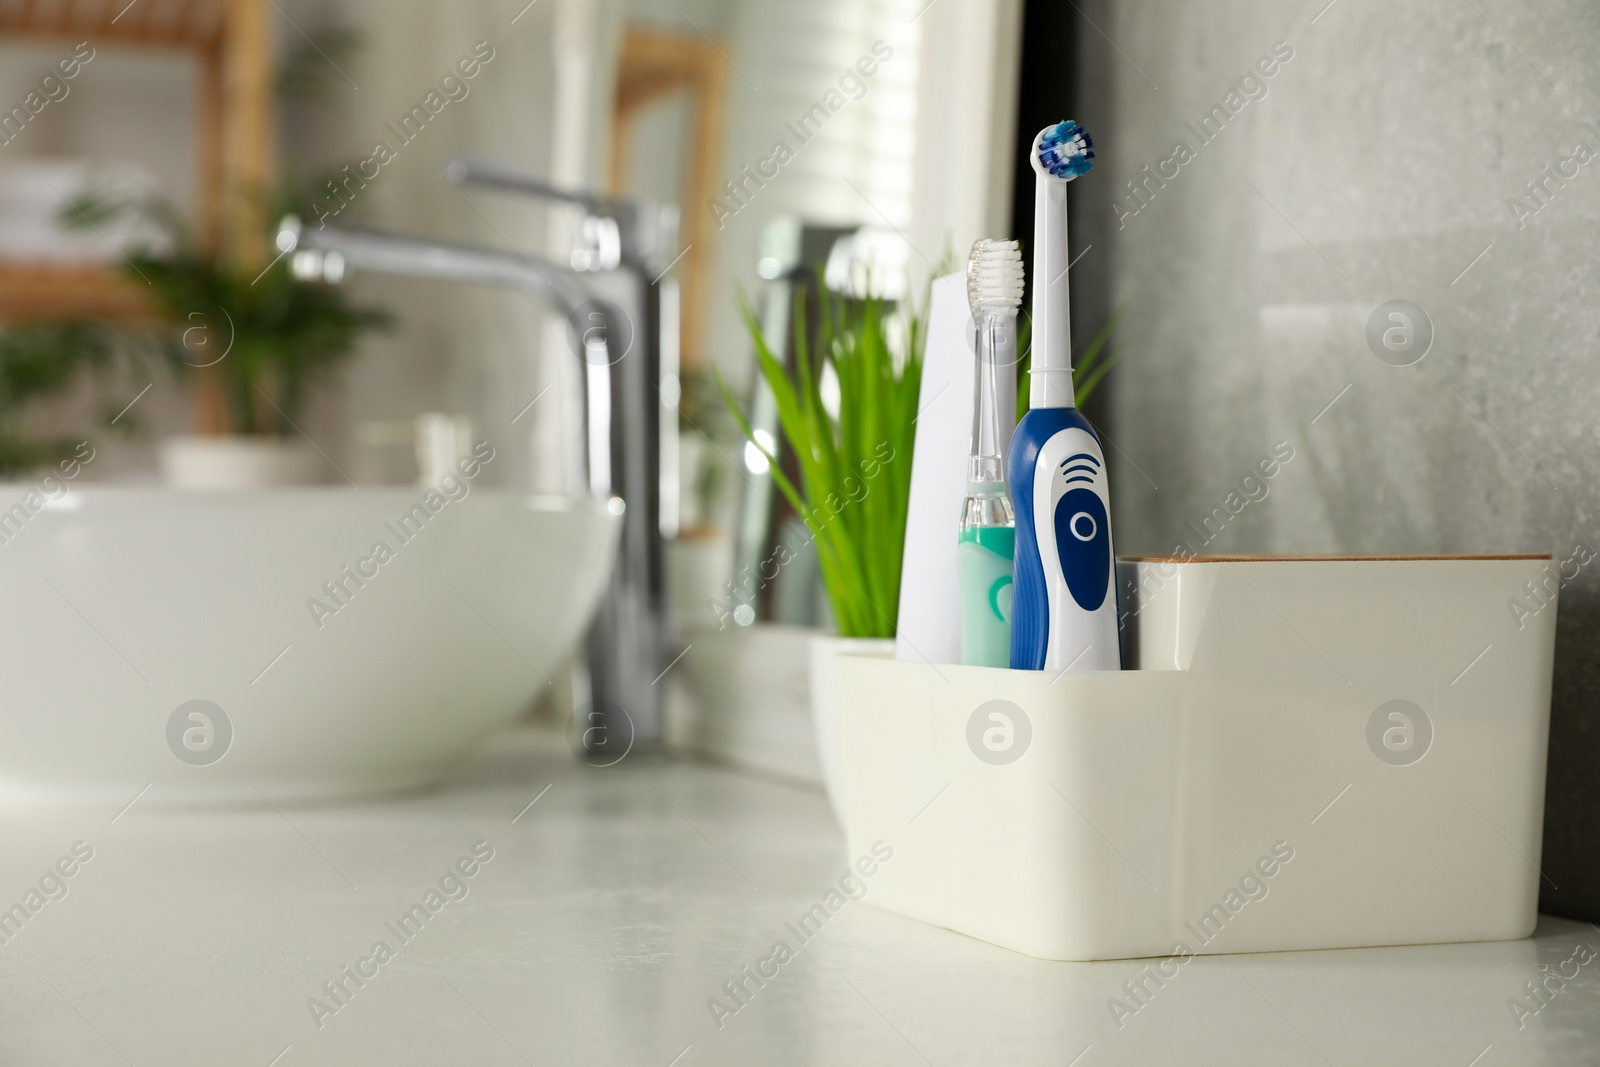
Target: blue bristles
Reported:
point(1066, 150)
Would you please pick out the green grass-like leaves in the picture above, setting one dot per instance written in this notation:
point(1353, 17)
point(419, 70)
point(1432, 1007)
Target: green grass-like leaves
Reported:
point(855, 463)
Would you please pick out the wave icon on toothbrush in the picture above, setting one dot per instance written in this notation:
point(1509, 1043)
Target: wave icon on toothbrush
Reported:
point(1086, 467)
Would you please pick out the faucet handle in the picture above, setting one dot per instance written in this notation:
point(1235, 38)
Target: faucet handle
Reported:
point(601, 247)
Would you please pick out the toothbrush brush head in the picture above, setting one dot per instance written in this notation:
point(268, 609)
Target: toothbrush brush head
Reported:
point(1064, 151)
point(994, 277)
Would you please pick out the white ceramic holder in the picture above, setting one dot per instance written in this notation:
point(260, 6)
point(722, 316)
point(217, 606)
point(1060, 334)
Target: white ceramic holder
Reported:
point(1309, 753)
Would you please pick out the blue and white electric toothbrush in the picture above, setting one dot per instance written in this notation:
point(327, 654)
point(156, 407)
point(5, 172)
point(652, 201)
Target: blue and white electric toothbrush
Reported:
point(1064, 604)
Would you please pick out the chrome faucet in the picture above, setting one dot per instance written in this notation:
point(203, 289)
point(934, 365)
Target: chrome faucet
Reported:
point(617, 312)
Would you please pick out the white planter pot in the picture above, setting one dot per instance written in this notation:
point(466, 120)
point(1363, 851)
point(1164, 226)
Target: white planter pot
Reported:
point(741, 696)
point(825, 648)
point(198, 461)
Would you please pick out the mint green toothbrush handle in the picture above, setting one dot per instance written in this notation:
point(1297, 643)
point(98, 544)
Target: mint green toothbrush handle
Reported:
point(983, 572)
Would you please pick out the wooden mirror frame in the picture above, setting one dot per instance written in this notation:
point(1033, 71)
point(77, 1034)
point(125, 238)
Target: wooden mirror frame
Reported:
point(653, 64)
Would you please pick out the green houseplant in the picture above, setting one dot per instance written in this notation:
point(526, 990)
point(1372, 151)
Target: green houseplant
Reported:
point(39, 360)
point(853, 455)
point(252, 342)
point(269, 337)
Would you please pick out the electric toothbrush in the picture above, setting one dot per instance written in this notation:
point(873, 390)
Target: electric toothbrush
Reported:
point(988, 528)
point(1064, 604)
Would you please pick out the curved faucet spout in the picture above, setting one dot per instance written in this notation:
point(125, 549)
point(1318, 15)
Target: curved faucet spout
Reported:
point(393, 254)
point(621, 441)
point(327, 252)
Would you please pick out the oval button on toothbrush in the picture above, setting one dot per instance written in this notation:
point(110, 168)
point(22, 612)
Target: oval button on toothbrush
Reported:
point(988, 528)
point(1064, 604)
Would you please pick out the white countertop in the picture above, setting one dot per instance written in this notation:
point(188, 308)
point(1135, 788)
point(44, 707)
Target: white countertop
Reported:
point(613, 909)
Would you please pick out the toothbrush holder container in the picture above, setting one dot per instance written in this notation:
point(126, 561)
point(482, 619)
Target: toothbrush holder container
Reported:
point(1299, 754)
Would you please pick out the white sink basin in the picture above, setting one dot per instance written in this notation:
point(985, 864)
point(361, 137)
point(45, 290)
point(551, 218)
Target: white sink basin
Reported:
point(122, 606)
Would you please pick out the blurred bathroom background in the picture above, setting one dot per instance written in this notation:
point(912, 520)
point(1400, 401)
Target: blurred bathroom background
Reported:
point(1272, 180)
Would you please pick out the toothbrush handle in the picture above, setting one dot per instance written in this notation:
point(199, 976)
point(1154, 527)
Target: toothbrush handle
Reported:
point(984, 575)
point(1064, 605)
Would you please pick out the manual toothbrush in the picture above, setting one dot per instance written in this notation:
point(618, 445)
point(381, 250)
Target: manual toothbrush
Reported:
point(1064, 604)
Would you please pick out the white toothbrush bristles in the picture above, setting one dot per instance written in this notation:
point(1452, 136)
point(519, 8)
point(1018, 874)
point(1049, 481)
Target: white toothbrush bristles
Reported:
point(994, 277)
